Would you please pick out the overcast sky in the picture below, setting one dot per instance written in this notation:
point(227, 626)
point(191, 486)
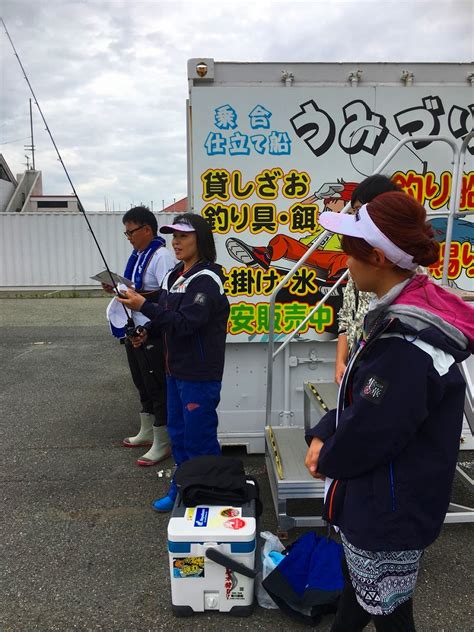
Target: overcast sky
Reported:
point(111, 76)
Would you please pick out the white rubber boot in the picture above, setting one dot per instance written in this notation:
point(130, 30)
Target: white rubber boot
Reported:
point(145, 436)
point(161, 448)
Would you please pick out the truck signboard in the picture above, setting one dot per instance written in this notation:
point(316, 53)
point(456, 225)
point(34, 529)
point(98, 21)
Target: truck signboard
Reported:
point(267, 157)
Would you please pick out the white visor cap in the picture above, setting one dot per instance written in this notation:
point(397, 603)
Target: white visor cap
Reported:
point(181, 227)
point(361, 225)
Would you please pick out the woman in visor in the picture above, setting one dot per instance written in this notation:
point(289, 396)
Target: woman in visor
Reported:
point(388, 452)
point(191, 314)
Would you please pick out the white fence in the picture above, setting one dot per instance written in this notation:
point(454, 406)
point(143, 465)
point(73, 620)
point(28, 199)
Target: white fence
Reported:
point(57, 250)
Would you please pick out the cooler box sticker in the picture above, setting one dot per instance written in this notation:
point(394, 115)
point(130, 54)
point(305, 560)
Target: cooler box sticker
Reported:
point(187, 567)
point(234, 523)
point(202, 516)
point(230, 512)
point(232, 589)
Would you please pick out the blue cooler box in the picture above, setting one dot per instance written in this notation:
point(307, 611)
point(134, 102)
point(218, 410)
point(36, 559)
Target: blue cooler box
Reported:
point(212, 558)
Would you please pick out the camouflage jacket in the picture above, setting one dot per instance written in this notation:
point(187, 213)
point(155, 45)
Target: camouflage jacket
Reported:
point(355, 306)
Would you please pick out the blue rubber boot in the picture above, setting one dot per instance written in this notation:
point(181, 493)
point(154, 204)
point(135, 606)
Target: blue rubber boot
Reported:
point(165, 504)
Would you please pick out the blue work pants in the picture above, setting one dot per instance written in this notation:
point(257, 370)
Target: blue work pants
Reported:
point(192, 418)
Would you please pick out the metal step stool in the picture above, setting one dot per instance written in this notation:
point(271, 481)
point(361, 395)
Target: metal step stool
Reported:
point(285, 454)
point(286, 451)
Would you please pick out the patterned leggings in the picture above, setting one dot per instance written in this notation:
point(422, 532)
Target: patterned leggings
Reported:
point(351, 617)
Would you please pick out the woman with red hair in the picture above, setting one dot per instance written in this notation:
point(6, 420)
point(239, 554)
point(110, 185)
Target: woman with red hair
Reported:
point(355, 304)
point(388, 452)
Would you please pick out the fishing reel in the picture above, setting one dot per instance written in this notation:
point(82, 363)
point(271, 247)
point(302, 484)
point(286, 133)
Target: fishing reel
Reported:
point(131, 331)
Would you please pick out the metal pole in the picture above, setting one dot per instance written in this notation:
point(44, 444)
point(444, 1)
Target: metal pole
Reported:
point(286, 414)
point(314, 310)
point(32, 141)
point(454, 203)
point(271, 316)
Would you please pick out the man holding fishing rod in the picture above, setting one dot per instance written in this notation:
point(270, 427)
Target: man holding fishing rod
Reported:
point(146, 268)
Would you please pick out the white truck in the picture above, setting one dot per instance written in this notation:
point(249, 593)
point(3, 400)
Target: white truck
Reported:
point(272, 145)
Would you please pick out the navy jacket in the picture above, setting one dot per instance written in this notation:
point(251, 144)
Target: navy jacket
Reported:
point(393, 453)
point(191, 313)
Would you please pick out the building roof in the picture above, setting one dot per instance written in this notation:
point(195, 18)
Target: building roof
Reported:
point(6, 172)
point(180, 206)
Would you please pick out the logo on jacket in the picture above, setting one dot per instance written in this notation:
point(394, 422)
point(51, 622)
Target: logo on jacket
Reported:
point(200, 299)
point(374, 389)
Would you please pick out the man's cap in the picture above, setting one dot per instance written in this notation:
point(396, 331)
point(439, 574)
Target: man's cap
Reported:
point(182, 227)
point(362, 226)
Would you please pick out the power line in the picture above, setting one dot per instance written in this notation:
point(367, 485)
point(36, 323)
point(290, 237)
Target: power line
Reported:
point(15, 140)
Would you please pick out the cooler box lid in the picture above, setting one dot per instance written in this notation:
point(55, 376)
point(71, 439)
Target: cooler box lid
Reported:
point(212, 523)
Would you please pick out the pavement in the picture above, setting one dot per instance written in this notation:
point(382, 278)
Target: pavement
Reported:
point(82, 550)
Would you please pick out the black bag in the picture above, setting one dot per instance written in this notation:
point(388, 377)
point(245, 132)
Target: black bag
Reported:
point(216, 480)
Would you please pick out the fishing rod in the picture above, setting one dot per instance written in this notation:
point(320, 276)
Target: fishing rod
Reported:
point(130, 329)
point(79, 203)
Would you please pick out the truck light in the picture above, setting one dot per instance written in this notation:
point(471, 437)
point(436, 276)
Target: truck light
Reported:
point(201, 69)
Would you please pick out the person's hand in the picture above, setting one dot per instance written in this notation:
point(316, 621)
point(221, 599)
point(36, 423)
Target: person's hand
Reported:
point(140, 339)
point(312, 458)
point(340, 369)
point(132, 299)
point(108, 288)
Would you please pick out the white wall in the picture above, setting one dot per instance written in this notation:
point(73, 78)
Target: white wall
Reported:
point(56, 250)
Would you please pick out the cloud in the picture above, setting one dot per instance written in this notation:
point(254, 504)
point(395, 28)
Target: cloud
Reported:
point(111, 76)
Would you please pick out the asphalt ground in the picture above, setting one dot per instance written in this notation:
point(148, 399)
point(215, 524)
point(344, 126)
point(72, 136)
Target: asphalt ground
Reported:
point(82, 550)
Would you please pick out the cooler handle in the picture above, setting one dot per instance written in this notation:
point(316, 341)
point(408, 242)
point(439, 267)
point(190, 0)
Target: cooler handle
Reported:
point(226, 561)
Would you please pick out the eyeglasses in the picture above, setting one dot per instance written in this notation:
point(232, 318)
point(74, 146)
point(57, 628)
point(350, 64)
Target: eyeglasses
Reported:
point(129, 233)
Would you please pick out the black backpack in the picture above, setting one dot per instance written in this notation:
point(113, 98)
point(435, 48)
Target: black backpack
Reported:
point(216, 480)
